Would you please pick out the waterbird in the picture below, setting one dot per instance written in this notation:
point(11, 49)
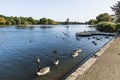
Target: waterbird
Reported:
point(56, 61)
point(38, 60)
point(95, 55)
point(76, 52)
point(89, 38)
point(98, 38)
point(68, 35)
point(30, 41)
point(77, 38)
point(63, 38)
point(55, 52)
point(93, 37)
point(94, 42)
point(106, 36)
point(43, 71)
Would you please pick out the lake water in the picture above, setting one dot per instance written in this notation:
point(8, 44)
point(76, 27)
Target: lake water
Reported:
point(21, 46)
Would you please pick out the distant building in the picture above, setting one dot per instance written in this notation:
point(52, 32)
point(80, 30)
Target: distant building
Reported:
point(67, 20)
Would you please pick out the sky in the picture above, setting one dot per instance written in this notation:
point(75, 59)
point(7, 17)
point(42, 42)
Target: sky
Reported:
point(58, 10)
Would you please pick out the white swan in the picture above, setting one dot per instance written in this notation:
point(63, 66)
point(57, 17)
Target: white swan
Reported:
point(43, 71)
point(76, 53)
point(56, 61)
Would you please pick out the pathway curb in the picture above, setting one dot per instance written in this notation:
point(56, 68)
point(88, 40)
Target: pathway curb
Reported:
point(88, 63)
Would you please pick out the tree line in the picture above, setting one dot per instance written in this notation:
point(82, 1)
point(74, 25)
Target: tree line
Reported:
point(104, 17)
point(5, 20)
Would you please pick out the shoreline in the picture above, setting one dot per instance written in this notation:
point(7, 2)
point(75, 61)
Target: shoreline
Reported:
point(86, 65)
point(106, 67)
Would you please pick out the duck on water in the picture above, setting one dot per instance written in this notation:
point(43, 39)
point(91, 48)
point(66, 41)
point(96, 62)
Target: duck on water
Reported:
point(42, 71)
point(56, 61)
point(76, 52)
point(45, 70)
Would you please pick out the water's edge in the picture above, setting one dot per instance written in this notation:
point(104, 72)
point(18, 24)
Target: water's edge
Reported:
point(86, 63)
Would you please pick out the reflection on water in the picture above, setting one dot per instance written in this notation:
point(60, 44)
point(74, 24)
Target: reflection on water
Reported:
point(21, 46)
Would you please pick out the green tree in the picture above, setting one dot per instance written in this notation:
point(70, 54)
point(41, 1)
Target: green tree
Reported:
point(2, 20)
point(31, 20)
point(51, 21)
point(5, 20)
point(92, 21)
point(43, 21)
point(18, 21)
point(116, 9)
point(23, 21)
point(105, 17)
point(11, 20)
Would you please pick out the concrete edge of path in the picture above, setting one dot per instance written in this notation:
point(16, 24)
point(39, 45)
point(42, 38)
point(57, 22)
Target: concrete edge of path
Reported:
point(88, 63)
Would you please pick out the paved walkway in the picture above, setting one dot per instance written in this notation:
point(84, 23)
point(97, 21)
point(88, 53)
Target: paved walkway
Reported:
point(107, 66)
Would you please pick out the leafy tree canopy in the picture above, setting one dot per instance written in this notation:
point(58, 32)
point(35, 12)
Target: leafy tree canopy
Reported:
point(116, 9)
point(2, 20)
point(92, 21)
point(10, 20)
point(47, 21)
point(104, 17)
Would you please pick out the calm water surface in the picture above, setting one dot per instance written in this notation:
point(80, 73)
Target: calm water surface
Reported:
point(20, 46)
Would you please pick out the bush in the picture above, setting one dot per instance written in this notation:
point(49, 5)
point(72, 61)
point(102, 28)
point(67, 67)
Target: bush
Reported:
point(117, 26)
point(106, 27)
